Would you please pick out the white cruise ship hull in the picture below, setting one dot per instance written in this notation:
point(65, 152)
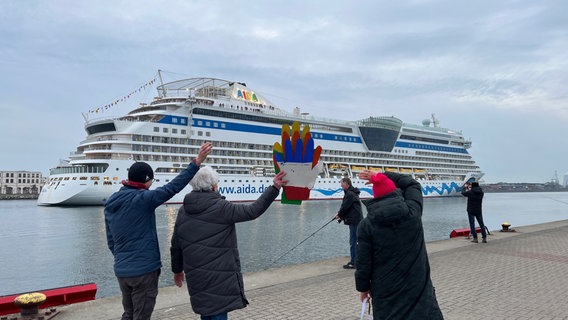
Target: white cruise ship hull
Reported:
point(76, 194)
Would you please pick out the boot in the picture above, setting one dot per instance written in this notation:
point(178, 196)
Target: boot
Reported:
point(475, 240)
point(484, 240)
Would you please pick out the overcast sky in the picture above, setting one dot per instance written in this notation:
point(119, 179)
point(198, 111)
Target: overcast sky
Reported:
point(496, 70)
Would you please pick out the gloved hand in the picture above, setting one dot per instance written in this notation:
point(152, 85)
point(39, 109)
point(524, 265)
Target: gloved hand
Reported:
point(299, 159)
point(178, 279)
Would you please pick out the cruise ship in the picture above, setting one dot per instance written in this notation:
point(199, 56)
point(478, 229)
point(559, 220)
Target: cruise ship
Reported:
point(243, 127)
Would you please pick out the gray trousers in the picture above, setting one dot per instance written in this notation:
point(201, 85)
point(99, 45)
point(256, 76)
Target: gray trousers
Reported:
point(139, 295)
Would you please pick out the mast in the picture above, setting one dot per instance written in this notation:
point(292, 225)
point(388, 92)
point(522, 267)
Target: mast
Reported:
point(161, 82)
point(435, 121)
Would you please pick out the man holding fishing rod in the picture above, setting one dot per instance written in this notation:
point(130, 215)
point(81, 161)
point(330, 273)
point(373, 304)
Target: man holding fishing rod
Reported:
point(351, 214)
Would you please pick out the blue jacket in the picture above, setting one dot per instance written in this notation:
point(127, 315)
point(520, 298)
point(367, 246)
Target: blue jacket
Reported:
point(131, 225)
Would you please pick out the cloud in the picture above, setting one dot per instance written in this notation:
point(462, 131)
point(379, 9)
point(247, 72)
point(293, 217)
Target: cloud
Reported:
point(467, 62)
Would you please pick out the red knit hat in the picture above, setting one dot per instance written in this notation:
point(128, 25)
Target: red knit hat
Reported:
point(382, 185)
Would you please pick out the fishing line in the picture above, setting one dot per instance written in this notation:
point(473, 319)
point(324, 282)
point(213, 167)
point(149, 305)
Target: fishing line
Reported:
point(285, 253)
point(557, 200)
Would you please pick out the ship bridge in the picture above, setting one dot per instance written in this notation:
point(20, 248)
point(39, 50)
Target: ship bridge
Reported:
point(380, 133)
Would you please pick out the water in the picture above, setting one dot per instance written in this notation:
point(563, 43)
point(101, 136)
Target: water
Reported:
point(49, 247)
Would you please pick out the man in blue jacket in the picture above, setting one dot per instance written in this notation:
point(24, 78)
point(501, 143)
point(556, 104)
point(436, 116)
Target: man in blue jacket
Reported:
point(132, 237)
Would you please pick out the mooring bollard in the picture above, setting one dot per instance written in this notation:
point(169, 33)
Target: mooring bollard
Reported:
point(29, 302)
point(505, 227)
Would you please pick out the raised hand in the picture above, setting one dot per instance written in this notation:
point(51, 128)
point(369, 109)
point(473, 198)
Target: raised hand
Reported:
point(366, 175)
point(204, 151)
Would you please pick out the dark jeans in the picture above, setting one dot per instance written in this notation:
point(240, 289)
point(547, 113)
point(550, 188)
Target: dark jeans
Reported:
point(221, 316)
point(353, 242)
point(479, 218)
point(139, 295)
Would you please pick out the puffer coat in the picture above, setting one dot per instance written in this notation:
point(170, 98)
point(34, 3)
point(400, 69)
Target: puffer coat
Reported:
point(391, 255)
point(350, 211)
point(204, 246)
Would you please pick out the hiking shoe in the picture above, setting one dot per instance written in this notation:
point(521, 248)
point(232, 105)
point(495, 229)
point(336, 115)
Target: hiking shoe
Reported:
point(475, 240)
point(484, 240)
point(349, 266)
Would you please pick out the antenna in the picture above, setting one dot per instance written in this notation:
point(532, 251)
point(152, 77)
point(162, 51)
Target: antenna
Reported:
point(162, 83)
point(555, 178)
point(435, 121)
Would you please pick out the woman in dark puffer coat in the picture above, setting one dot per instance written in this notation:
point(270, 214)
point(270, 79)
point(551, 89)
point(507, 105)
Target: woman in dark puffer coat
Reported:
point(392, 265)
point(204, 244)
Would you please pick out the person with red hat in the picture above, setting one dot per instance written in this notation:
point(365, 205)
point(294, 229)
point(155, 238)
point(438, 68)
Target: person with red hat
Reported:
point(392, 267)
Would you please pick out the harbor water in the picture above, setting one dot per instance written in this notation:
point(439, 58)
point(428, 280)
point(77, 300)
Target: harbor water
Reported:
point(49, 247)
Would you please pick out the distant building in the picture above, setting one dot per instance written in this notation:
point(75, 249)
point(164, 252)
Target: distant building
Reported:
point(565, 182)
point(20, 182)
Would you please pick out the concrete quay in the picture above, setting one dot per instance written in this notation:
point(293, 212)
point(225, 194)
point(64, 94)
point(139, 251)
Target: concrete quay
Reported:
point(516, 275)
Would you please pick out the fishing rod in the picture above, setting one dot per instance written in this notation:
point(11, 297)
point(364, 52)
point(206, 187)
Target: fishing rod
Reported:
point(285, 253)
point(557, 200)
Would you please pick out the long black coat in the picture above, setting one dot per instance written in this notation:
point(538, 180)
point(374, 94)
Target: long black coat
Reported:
point(391, 255)
point(204, 246)
point(474, 200)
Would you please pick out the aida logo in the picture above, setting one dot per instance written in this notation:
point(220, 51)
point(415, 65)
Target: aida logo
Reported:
point(250, 96)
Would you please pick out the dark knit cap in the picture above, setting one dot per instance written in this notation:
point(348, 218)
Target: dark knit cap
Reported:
point(140, 172)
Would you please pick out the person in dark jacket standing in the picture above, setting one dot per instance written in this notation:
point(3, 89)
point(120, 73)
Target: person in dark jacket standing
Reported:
point(132, 237)
point(204, 244)
point(474, 195)
point(351, 214)
point(392, 266)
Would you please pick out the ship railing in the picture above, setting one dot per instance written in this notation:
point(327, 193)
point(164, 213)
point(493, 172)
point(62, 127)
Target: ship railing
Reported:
point(439, 129)
point(77, 169)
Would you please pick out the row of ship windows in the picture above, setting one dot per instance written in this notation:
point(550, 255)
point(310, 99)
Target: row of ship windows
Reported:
point(269, 147)
point(85, 178)
point(222, 125)
point(174, 130)
point(238, 145)
point(259, 159)
point(213, 160)
point(107, 180)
